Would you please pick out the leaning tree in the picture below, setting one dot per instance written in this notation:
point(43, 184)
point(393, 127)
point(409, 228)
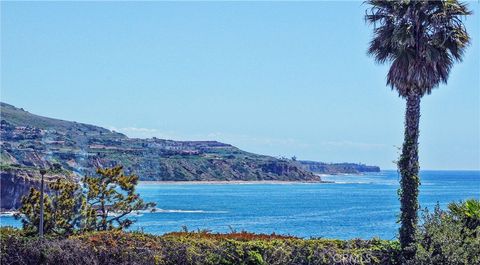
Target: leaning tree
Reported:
point(111, 197)
point(421, 40)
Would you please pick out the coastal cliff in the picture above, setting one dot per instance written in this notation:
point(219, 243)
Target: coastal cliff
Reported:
point(16, 181)
point(29, 140)
point(337, 168)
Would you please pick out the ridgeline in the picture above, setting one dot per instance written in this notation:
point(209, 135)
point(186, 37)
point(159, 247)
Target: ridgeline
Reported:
point(29, 142)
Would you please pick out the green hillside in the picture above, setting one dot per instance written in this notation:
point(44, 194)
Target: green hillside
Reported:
point(34, 141)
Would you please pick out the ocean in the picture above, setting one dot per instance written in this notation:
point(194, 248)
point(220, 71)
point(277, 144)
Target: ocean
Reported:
point(355, 206)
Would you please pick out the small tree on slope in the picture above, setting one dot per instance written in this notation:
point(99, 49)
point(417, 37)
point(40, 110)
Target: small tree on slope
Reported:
point(111, 196)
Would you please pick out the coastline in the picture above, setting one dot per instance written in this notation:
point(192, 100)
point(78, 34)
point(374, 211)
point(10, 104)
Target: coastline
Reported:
point(230, 182)
point(248, 182)
point(11, 212)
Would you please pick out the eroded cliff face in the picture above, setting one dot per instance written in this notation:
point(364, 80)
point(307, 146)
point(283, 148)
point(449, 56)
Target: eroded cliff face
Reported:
point(16, 182)
point(287, 168)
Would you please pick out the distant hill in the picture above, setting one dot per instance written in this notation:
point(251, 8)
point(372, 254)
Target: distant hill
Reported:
point(20, 118)
point(34, 141)
point(29, 142)
point(337, 168)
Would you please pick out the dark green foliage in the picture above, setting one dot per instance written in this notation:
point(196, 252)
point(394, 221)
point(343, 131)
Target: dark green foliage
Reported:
point(62, 212)
point(29, 213)
point(109, 193)
point(409, 169)
point(68, 205)
point(449, 237)
point(422, 40)
point(103, 204)
point(467, 212)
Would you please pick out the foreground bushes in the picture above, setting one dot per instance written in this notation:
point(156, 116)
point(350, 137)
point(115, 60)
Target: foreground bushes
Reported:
point(191, 248)
point(449, 237)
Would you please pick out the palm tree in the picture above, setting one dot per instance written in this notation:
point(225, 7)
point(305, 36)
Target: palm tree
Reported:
point(422, 40)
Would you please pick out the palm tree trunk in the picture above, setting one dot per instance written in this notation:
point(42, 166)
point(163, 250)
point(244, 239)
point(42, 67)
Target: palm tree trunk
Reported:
point(409, 168)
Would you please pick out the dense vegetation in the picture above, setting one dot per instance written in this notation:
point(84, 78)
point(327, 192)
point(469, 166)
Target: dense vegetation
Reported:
point(102, 203)
point(422, 40)
point(448, 237)
point(191, 248)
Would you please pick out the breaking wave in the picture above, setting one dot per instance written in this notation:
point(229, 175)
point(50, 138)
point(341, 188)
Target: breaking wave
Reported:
point(159, 210)
point(8, 213)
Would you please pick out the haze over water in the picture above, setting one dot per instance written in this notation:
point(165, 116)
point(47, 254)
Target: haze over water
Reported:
point(355, 206)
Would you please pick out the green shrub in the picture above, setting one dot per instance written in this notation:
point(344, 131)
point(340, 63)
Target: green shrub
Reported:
point(467, 212)
point(116, 247)
point(445, 237)
point(18, 249)
point(449, 237)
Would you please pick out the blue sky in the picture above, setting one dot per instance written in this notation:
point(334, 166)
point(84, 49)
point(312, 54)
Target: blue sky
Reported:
point(281, 79)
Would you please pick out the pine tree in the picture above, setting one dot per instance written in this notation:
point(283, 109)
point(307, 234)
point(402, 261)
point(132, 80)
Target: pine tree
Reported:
point(111, 196)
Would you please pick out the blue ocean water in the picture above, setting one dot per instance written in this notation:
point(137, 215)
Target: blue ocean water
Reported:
point(361, 206)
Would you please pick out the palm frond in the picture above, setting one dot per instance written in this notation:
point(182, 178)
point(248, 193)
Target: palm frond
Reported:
point(422, 40)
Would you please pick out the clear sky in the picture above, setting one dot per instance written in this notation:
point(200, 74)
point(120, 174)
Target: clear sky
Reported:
point(281, 79)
